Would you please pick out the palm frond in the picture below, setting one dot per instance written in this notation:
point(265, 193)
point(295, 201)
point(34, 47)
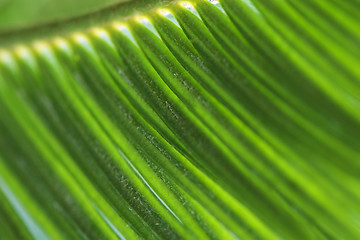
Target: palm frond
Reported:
point(230, 119)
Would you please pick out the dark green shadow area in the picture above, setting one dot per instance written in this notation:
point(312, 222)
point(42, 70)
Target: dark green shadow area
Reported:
point(115, 10)
point(21, 13)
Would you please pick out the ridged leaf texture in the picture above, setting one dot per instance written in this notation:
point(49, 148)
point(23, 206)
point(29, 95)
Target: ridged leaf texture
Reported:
point(230, 119)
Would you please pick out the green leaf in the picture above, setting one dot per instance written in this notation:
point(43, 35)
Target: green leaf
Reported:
point(230, 119)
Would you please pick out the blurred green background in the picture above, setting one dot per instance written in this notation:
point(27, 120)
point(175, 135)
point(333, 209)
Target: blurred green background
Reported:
point(21, 13)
